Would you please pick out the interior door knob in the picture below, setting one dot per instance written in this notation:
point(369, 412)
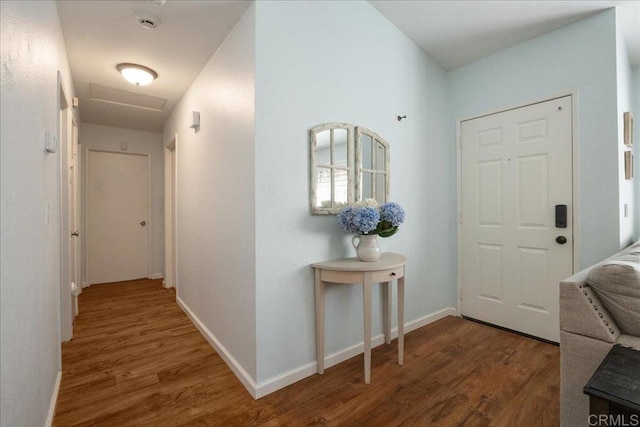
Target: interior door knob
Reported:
point(75, 234)
point(143, 223)
point(561, 240)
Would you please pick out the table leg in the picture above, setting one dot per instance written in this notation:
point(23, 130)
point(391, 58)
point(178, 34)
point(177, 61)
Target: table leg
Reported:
point(401, 320)
point(386, 312)
point(319, 286)
point(366, 294)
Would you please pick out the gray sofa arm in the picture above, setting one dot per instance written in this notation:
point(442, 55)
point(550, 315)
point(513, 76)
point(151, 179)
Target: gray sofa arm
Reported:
point(582, 313)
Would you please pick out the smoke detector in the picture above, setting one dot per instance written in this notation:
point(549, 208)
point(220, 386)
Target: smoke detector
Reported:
point(147, 20)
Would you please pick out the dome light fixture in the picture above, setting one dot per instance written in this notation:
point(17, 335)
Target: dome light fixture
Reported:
point(138, 75)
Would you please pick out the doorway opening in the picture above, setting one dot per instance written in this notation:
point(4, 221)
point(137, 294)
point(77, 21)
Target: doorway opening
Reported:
point(68, 200)
point(170, 210)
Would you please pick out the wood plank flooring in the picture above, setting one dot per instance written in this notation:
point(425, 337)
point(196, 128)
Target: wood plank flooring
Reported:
point(137, 360)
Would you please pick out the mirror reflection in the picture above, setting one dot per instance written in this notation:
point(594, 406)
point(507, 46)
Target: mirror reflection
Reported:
point(366, 148)
point(323, 187)
point(372, 166)
point(331, 148)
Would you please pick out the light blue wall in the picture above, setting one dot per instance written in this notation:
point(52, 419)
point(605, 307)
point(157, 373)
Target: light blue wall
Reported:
point(319, 62)
point(625, 103)
point(581, 56)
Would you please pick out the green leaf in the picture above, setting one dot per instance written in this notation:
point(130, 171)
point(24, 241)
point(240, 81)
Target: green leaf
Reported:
point(388, 232)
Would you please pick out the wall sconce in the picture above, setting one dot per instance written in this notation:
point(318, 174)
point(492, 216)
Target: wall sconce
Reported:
point(196, 121)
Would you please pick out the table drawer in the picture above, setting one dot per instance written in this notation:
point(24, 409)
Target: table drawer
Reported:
point(345, 277)
point(387, 275)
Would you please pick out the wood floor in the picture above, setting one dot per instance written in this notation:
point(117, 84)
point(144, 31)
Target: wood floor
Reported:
point(136, 359)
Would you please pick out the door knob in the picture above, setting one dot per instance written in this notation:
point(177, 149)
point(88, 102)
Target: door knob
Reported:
point(143, 223)
point(75, 234)
point(561, 240)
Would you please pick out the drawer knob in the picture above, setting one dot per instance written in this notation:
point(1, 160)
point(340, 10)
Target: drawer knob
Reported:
point(393, 274)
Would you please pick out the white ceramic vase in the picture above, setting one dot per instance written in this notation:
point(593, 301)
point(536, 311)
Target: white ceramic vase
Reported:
point(367, 247)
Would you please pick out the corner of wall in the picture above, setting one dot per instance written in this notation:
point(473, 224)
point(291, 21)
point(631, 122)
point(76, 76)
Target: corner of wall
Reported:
point(215, 223)
point(628, 203)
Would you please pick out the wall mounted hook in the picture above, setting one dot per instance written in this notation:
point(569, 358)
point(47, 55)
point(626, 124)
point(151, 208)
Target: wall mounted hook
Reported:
point(401, 117)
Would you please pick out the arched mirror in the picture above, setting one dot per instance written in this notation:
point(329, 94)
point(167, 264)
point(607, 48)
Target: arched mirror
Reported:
point(331, 167)
point(344, 170)
point(372, 166)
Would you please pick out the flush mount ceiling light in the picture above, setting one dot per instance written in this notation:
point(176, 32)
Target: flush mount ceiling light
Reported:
point(138, 75)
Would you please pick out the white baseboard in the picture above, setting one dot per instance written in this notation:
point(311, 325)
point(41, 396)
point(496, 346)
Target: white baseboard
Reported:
point(231, 362)
point(425, 320)
point(157, 276)
point(280, 381)
point(54, 401)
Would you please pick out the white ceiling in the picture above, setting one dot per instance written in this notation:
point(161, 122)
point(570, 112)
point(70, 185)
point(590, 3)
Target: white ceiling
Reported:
point(455, 33)
point(99, 34)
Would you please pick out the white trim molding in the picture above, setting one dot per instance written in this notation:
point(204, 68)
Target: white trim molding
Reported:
point(258, 390)
point(54, 401)
point(280, 381)
point(231, 362)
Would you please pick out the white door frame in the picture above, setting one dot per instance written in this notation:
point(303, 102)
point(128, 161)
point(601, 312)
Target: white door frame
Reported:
point(170, 212)
point(64, 136)
point(85, 178)
point(77, 203)
point(573, 92)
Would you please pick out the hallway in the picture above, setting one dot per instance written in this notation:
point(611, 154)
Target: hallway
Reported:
point(136, 359)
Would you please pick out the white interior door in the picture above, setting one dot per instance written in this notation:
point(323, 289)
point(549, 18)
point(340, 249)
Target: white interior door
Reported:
point(117, 216)
point(516, 166)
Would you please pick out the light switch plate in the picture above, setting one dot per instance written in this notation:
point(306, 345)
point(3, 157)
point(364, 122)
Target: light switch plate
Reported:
point(50, 142)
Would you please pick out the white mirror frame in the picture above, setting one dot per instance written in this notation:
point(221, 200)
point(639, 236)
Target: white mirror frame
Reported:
point(354, 172)
point(313, 137)
point(375, 138)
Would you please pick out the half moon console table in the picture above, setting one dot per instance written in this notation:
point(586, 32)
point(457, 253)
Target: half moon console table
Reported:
point(389, 267)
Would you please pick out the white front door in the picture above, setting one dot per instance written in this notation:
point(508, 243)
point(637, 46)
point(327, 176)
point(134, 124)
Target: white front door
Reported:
point(516, 166)
point(117, 216)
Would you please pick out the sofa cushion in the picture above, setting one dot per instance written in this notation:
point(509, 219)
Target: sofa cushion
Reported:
point(617, 283)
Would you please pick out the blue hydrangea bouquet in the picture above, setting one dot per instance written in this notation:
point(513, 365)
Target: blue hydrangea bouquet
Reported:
point(367, 217)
